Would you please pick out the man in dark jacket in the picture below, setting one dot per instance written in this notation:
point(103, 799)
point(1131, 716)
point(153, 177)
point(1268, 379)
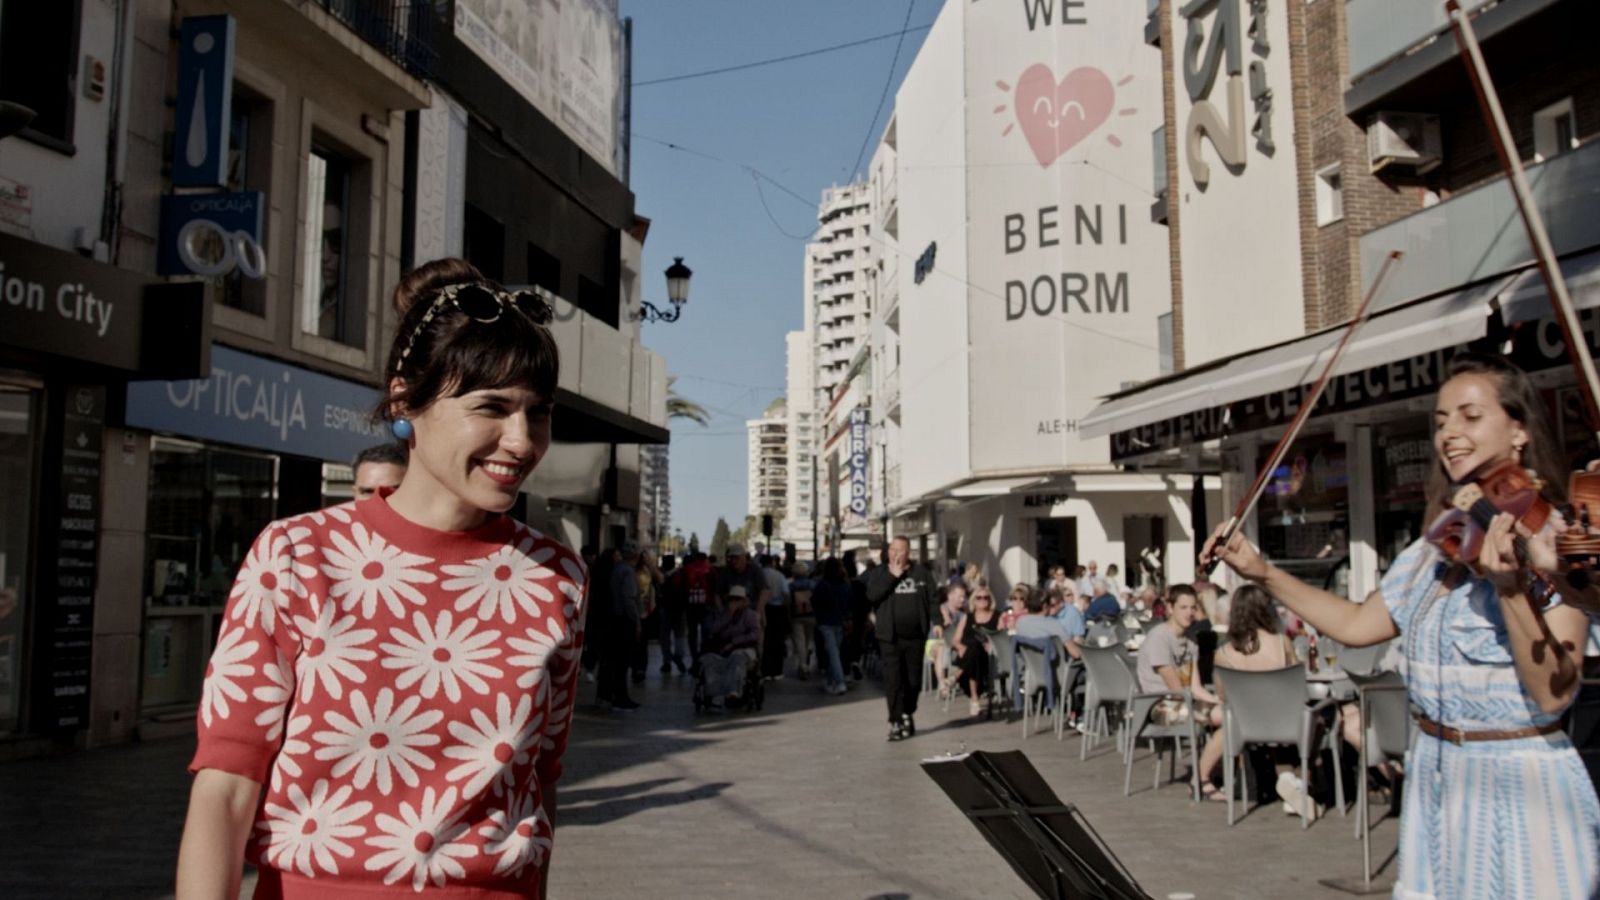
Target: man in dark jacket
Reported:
point(901, 593)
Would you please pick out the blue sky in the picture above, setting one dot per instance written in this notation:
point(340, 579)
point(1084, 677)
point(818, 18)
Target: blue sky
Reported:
point(801, 123)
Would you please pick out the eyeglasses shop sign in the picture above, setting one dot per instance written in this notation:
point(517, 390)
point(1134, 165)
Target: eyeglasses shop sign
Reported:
point(263, 404)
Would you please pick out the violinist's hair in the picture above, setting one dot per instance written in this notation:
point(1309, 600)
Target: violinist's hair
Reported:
point(1521, 401)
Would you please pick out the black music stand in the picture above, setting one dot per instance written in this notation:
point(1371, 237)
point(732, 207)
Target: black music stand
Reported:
point(1048, 843)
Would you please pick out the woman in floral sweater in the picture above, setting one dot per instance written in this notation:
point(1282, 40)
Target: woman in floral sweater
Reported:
point(388, 702)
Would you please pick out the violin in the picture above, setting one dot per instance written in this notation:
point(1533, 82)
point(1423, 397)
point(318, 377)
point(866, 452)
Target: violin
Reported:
point(1507, 487)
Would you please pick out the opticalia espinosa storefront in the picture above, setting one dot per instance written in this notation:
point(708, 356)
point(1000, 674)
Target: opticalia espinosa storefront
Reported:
point(218, 458)
point(73, 332)
point(1348, 496)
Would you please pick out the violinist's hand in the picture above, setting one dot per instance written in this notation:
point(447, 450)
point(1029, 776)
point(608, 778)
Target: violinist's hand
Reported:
point(1497, 559)
point(1237, 553)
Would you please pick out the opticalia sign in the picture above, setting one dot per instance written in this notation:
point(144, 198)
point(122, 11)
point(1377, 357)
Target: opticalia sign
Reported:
point(856, 462)
point(212, 234)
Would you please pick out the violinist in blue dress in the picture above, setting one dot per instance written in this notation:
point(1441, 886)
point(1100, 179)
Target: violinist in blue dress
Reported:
point(1497, 803)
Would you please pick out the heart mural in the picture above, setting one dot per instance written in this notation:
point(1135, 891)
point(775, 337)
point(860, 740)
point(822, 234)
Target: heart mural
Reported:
point(1057, 115)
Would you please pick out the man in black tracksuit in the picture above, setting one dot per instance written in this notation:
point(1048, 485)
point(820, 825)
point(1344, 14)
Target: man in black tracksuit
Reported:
point(901, 594)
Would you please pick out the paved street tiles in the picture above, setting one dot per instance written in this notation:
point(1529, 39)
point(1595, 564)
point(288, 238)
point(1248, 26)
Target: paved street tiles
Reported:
point(803, 799)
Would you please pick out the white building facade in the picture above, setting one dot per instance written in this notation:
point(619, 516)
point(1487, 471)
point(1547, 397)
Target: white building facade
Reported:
point(1028, 282)
point(800, 496)
point(767, 462)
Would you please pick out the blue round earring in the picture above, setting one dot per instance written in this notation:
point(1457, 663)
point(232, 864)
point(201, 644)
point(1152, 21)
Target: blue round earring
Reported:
point(402, 429)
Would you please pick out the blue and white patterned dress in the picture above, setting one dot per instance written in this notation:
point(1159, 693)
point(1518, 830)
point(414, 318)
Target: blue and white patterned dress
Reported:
point(1491, 819)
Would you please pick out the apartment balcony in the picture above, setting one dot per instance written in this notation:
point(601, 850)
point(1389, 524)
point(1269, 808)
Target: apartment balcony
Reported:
point(889, 302)
point(1477, 233)
point(402, 29)
point(891, 485)
point(1403, 56)
point(1382, 30)
point(891, 397)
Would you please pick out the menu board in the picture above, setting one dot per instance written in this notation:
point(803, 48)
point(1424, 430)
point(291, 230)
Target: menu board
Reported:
point(68, 614)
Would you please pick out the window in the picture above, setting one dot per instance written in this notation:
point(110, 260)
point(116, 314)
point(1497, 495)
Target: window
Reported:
point(20, 432)
point(544, 270)
point(1555, 130)
point(1158, 161)
point(38, 66)
point(484, 243)
point(333, 307)
point(1330, 195)
point(249, 169)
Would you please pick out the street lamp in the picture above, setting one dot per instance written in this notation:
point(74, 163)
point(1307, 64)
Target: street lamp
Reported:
point(678, 276)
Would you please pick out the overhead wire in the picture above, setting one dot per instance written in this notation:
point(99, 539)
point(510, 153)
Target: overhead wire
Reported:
point(905, 30)
point(888, 82)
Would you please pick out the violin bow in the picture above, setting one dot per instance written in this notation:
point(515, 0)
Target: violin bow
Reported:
point(1253, 496)
point(1494, 116)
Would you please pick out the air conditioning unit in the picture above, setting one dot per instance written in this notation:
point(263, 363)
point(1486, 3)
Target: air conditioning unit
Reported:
point(1404, 139)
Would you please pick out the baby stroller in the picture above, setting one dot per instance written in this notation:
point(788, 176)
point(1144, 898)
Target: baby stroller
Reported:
point(752, 695)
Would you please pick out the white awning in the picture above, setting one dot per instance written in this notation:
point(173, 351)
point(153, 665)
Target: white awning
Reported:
point(1404, 331)
point(993, 487)
point(1526, 299)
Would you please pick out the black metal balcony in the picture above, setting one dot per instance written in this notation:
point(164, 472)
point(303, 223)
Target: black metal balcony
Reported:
point(402, 29)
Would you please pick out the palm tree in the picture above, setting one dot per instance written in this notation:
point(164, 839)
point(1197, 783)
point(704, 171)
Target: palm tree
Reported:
point(680, 408)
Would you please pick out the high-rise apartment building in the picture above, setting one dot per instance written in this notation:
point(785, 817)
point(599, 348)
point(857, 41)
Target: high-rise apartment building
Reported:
point(799, 527)
point(768, 461)
point(655, 490)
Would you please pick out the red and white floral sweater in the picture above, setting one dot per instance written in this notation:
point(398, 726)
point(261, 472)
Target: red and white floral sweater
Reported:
point(403, 695)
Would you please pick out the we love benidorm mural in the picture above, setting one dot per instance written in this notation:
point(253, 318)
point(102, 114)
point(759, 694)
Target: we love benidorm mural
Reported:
point(1068, 272)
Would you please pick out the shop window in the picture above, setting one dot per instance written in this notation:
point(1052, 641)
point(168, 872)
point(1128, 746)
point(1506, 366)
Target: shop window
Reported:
point(484, 243)
point(334, 300)
point(205, 509)
point(1304, 513)
point(38, 66)
point(1402, 460)
point(249, 169)
point(19, 440)
point(1330, 195)
point(1555, 130)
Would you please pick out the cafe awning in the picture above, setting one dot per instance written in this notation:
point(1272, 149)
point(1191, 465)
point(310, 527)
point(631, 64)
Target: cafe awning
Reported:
point(1409, 330)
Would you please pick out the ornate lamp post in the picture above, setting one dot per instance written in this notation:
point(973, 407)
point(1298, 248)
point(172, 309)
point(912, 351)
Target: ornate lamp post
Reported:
point(678, 276)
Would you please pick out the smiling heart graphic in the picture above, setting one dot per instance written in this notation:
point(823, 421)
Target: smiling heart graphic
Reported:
point(1056, 116)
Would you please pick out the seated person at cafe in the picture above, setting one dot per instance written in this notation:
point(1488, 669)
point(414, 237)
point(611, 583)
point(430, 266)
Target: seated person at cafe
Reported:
point(1167, 662)
point(1016, 608)
point(1037, 623)
point(1255, 643)
point(1066, 606)
point(730, 648)
point(1104, 604)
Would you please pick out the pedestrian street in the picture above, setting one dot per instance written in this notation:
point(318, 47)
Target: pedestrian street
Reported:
point(802, 799)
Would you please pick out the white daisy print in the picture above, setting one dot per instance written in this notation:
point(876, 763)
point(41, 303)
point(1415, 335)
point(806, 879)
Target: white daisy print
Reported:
point(226, 666)
point(490, 751)
point(261, 589)
point(365, 569)
point(340, 513)
point(437, 656)
point(275, 694)
point(572, 585)
point(519, 835)
point(423, 842)
point(380, 741)
point(294, 744)
point(331, 649)
point(313, 829)
point(504, 580)
point(561, 701)
point(536, 650)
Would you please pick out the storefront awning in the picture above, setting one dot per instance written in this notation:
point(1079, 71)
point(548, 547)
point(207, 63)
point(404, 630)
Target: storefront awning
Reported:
point(1526, 299)
point(993, 487)
point(1406, 331)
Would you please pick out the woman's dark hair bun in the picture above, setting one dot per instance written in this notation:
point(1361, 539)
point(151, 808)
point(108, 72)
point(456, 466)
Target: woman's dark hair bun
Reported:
point(426, 279)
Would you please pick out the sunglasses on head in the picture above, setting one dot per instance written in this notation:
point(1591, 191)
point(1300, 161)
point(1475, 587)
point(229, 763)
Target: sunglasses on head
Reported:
point(480, 303)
